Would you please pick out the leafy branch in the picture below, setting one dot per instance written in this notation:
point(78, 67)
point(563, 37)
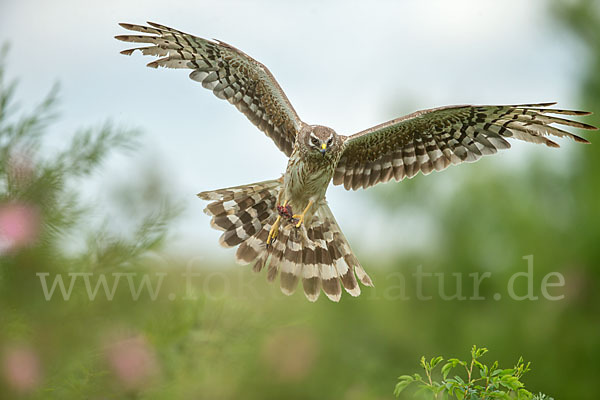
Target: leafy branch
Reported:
point(478, 381)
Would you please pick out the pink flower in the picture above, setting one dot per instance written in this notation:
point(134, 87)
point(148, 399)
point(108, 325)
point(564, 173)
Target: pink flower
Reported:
point(21, 368)
point(19, 226)
point(133, 361)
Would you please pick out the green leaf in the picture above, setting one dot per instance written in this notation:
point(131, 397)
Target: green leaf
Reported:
point(400, 386)
point(435, 361)
point(511, 382)
point(446, 369)
point(404, 381)
point(478, 364)
point(524, 394)
point(456, 361)
point(483, 371)
point(478, 352)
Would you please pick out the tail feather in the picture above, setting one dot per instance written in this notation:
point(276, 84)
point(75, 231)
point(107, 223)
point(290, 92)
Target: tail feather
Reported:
point(237, 235)
point(222, 198)
point(261, 261)
point(291, 265)
point(226, 222)
point(328, 273)
point(311, 280)
point(255, 246)
point(240, 211)
point(319, 254)
point(277, 252)
point(344, 259)
point(330, 282)
point(362, 275)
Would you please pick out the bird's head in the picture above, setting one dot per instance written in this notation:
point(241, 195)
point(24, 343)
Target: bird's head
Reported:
point(319, 140)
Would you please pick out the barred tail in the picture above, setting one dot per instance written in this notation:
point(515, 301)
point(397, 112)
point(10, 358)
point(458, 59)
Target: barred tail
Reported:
point(319, 254)
point(242, 211)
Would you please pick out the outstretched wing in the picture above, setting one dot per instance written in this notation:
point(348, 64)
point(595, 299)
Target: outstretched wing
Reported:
point(231, 75)
point(434, 139)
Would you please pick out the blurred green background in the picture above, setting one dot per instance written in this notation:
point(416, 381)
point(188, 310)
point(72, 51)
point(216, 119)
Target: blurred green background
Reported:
point(224, 333)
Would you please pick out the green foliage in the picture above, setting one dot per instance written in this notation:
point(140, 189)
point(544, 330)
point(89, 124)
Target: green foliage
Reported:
point(470, 380)
point(51, 183)
point(48, 227)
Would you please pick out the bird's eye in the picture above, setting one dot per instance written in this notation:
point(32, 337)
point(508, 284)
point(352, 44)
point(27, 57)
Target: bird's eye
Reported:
point(315, 141)
point(329, 141)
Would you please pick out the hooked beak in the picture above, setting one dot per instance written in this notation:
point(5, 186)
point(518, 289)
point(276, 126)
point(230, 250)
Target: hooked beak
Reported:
point(323, 149)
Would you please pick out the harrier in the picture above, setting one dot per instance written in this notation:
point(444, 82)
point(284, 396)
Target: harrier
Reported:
point(285, 224)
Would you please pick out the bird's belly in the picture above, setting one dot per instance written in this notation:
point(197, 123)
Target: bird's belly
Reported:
point(303, 184)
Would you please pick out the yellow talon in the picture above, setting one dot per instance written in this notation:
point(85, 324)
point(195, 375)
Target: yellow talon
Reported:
point(300, 217)
point(275, 228)
point(274, 231)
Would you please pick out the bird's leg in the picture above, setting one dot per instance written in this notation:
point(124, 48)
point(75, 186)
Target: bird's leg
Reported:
point(300, 217)
point(275, 228)
point(274, 231)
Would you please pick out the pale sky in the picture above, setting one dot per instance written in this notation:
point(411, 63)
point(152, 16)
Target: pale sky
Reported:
point(346, 64)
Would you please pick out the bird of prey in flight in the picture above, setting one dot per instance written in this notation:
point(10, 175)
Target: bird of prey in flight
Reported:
point(285, 224)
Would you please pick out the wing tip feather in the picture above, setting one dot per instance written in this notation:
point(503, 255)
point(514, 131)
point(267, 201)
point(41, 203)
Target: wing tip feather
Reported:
point(579, 139)
point(153, 64)
point(126, 25)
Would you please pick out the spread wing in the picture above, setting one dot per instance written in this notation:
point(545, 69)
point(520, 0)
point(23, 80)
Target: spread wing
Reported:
point(231, 75)
point(434, 139)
